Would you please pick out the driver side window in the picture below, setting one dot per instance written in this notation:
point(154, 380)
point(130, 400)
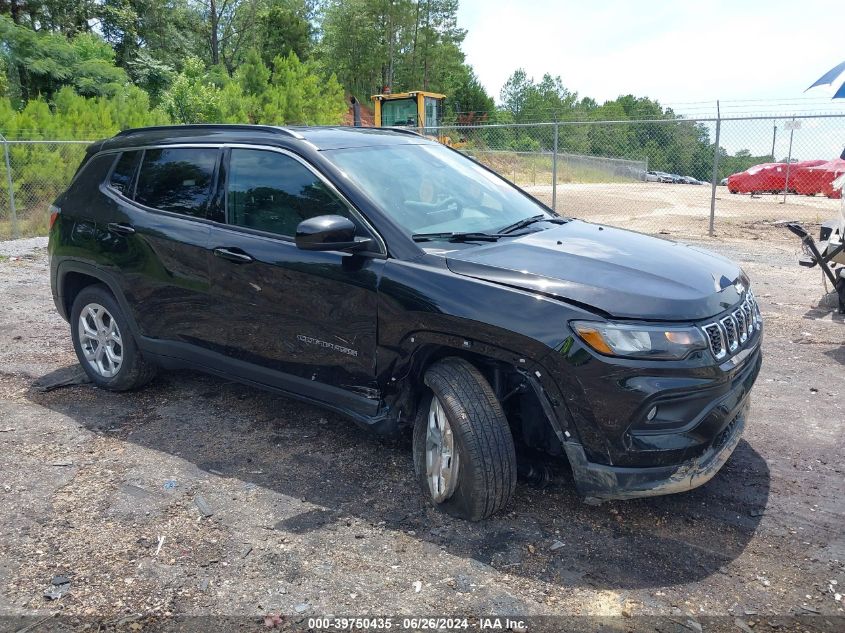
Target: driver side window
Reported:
point(272, 192)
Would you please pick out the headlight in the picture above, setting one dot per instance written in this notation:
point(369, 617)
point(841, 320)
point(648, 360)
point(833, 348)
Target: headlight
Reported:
point(640, 341)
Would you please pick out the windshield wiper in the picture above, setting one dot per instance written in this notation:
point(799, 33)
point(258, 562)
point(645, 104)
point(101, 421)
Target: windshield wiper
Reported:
point(456, 237)
point(529, 221)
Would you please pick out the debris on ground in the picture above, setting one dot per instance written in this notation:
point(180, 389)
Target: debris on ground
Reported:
point(742, 625)
point(64, 377)
point(203, 506)
point(59, 586)
point(274, 621)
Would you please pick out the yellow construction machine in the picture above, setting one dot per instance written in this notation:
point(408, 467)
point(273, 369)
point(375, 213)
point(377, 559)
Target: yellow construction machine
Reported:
point(417, 109)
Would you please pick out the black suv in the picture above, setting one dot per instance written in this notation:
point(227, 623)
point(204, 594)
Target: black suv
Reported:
point(393, 279)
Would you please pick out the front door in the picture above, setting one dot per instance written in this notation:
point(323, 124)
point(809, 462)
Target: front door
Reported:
point(301, 320)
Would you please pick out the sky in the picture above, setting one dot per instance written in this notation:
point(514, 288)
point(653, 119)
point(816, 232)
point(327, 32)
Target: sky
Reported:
point(757, 57)
point(677, 52)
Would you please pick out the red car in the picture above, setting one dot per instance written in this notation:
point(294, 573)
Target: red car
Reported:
point(819, 179)
point(767, 177)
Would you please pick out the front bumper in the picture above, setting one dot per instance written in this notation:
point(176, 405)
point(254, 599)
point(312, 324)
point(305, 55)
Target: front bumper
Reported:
point(601, 482)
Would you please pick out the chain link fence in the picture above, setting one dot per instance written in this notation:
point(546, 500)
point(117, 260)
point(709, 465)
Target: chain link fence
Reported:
point(666, 176)
point(38, 171)
point(654, 176)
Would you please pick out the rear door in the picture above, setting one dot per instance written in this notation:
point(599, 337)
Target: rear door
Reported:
point(157, 235)
point(304, 321)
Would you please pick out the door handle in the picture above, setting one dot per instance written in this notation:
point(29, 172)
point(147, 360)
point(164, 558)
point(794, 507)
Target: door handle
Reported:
point(121, 228)
point(237, 256)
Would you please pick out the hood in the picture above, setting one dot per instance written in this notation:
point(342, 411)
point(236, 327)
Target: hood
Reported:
point(622, 274)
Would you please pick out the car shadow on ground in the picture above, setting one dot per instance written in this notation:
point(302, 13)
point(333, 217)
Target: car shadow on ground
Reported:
point(305, 453)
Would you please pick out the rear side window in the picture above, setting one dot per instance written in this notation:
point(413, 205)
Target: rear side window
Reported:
point(177, 179)
point(272, 192)
point(124, 171)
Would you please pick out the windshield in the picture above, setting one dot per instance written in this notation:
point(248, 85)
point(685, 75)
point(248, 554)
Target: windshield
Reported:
point(430, 188)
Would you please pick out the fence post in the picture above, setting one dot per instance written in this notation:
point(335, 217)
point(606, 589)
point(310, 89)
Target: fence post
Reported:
point(554, 172)
point(13, 216)
point(715, 170)
point(788, 158)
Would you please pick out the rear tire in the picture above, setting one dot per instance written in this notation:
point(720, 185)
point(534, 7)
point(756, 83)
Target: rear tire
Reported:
point(104, 343)
point(479, 466)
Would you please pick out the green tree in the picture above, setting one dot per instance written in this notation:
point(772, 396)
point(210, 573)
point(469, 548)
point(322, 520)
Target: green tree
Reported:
point(514, 94)
point(191, 98)
point(40, 63)
point(298, 94)
point(468, 102)
point(283, 27)
point(67, 17)
point(152, 37)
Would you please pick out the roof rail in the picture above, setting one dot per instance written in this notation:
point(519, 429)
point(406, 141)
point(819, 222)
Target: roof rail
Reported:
point(403, 130)
point(227, 126)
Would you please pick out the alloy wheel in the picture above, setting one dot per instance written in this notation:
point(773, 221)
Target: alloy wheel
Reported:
point(441, 454)
point(100, 339)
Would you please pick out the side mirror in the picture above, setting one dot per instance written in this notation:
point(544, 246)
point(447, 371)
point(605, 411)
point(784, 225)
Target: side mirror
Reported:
point(329, 233)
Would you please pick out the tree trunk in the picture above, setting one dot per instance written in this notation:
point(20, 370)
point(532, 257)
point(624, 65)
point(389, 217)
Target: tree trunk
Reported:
point(391, 37)
point(425, 50)
point(215, 43)
point(414, 53)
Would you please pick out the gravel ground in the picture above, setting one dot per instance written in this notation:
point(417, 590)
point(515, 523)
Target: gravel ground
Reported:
point(683, 211)
point(311, 516)
point(17, 248)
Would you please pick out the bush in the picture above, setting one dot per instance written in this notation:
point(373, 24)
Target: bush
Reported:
point(40, 171)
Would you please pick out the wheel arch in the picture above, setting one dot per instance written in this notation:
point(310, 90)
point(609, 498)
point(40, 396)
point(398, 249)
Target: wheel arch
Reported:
point(515, 380)
point(72, 277)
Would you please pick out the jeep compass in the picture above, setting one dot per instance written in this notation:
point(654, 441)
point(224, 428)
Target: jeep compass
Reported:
point(399, 282)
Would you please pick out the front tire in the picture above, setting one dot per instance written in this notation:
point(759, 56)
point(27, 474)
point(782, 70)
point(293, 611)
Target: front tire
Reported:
point(464, 453)
point(104, 343)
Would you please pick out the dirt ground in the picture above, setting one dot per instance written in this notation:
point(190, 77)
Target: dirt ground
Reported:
point(310, 516)
point(683, 211)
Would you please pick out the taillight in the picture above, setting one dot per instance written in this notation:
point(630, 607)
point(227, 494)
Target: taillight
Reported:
point(54, 214)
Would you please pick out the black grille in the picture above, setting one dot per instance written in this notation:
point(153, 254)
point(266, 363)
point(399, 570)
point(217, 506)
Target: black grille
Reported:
point(749, 315)
point(714, 334)
point(742, 326)
point(730, 333)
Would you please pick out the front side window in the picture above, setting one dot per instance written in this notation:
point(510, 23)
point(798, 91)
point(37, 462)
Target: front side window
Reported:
point(121, 177)
point(177, 179)
point(272, 192)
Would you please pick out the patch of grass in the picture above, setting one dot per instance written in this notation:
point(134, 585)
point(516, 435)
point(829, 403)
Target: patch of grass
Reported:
point(31, 223)
point(536, 169)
